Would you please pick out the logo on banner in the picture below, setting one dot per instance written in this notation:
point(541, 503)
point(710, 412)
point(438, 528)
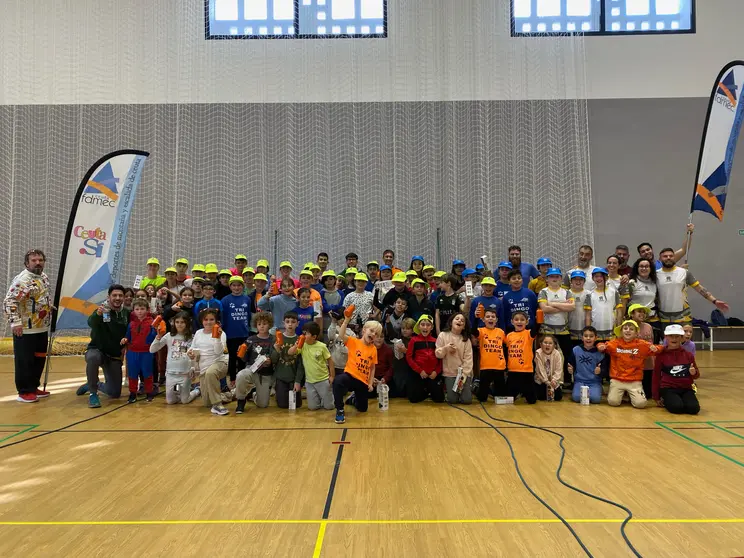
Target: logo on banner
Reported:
point(727, 93)
point(102, 189)
point(93, 240)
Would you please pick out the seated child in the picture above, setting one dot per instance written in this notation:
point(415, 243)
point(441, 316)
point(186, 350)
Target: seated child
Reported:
point(490, 340)
point(454, 348)
point(179, 370)
point(584, 364)
point(384, 368)
point(401, 370)
point(674, 372)
point(627, 354)
point(638, 313)
point(425, 378)
point(261, 379)
point(319, 369)
point(548, 369)
point(288, 370)
point(394, 320)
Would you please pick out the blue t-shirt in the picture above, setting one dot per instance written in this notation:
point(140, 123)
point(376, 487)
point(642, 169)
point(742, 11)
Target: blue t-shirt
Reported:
point(304, 315)
point(501, 289)
point(529, 271)
point(203, 304)
point(317, 286)
point(523, 299)
point(489, 303)
point(584, 363)
point(236, 316)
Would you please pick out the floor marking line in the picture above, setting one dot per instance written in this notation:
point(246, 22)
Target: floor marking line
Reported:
point(319, 539)
point(710, 449)
point(28, 428)
point(726, 430)
point(334, 477)
point(144, 523)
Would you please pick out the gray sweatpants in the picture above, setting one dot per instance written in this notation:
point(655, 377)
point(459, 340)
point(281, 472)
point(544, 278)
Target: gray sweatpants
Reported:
point(184, 395)
point(465, 396)
point(246, 380)
point(319, 395)
point(111, 372)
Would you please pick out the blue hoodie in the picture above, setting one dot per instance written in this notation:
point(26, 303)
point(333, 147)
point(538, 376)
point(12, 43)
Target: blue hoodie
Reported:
point(584, 362)
point(278, 306)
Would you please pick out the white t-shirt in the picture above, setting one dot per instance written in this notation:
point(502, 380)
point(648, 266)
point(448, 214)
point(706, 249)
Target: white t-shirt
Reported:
point(603, 305)
point(643, 293)
point(577, 318)
point(178, 361)
point(559, 320)
point(210, 349)
point(672, 293)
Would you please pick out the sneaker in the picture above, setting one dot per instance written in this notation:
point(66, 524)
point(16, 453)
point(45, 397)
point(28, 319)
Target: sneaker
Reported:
point(150, 397)
point(219, 410)
point(240, 409)
point(252, 394)
point(351, 399)
point(254, 397)
point(476, 385)
point(132, 397)
point(27, 398)
point(82, 390)
point(93, 401)
point(102, 388)
point(340, 418)
point(41, 394)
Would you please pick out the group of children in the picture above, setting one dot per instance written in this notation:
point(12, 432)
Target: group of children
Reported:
point(243, 334)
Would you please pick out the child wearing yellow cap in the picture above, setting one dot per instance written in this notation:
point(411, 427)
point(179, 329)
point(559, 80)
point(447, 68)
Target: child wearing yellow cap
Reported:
point(361, 299)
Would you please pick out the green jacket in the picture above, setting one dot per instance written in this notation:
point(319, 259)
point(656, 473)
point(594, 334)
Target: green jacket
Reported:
point(287, 368)
point(107, 336)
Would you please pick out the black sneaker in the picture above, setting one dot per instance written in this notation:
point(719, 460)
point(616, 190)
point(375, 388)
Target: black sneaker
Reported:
point(150, 397)
point(340, 417)
point(132, 397)
point(351, 400)
point(240, 409)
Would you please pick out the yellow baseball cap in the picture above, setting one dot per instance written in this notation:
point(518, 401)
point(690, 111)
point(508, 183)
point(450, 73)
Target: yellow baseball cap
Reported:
point(286, 263)
point(619, 329)
point(170, 270)
point(417, 281)
point(197, 280)
point(374, 262)
point(411, 273)
point(422, 318)
point(439, 274)
point(328, 273)
point(249, 270)
point(198, 267)
point(153, 261)
point(211, 268)
point(488, 281)
point(315, 267)
point(634, 307)
point(182, 261)
point(351, 270)
point(399, 277)
point(361, 277)
point(262, 263)
point(428, 267)
point(236, 279)
point(306, 272)
point(240, 257)
point(225, 272)
point(260, 277)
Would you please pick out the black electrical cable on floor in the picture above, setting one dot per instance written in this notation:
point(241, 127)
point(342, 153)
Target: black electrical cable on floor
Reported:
point(524, 482)
point(628, 512)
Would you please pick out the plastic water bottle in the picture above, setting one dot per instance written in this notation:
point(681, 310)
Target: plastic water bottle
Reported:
point(106, 313)
point(551, 393)
point(383, 398)
point(292, 400)
point(585, 395)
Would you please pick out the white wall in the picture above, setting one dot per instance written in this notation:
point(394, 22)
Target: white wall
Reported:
point(154, 51)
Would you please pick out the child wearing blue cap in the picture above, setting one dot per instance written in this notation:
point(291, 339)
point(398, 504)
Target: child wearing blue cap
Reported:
point(556, 302)
point(539, 283)
point(518, 299)
point(417, 265)
point(577, 317)
point(603, 307)
point(458, 266)
point(502, 284)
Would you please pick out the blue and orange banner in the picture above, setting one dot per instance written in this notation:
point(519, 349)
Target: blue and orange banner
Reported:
point(722, 127)
point(93, 252)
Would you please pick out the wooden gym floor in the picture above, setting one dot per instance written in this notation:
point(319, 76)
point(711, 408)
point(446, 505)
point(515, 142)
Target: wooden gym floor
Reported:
point(418, 480)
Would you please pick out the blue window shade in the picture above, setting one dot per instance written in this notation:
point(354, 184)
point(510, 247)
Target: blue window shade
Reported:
point(602, 17)
point(295, 19)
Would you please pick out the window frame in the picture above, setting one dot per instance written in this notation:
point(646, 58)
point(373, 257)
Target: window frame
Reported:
point(603, 32)
point(296, 35)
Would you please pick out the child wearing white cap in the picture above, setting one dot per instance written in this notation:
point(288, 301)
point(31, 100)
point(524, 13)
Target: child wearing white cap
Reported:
point(674, 372)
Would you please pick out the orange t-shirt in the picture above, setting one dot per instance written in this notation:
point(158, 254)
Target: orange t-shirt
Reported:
point(521, 354)
point(314, 295)
point(626, 364)
point(491, 348)
point(362, 358)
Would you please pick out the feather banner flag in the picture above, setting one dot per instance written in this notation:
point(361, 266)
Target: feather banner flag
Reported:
point(93, 251)
point(722, 127)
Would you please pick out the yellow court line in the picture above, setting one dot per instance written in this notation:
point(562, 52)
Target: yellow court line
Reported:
point(319, 540)
point(324, 522)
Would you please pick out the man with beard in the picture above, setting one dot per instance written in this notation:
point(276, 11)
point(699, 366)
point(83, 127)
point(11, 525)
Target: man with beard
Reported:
point(584, 263)
point(671, 284)
point(108, 326)
point(646, 251)
point(28, 309)
point(528, 270)
point(623, 253)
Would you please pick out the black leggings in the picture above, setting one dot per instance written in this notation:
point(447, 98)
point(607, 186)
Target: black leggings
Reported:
point(420, 388)
point(541, 390)
point(488, 377)
point(680, 401)
point(521, 382)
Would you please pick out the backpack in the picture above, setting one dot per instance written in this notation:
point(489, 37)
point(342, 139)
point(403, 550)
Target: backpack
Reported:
point(717, 318)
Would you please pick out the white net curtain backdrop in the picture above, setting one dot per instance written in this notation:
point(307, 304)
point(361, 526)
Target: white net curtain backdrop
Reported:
point(447, 124)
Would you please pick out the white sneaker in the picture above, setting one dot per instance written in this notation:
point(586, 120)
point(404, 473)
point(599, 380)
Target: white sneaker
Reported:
point(219, 410)
point(194, 394)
